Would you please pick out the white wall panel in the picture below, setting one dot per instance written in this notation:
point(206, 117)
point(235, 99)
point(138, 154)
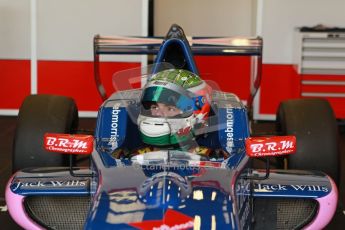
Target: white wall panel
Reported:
point(205, 17)
point(282, 17)
point(14, 29)
point(66, 28)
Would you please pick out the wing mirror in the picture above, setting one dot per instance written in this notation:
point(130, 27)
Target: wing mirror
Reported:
point(69, 144)
point(270, 146)
point(275, 146)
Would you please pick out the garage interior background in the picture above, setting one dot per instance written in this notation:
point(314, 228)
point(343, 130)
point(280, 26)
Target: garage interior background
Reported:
point(46, 45)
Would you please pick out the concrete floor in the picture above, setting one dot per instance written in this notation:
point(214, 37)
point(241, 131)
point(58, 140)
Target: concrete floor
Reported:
point(7, 127)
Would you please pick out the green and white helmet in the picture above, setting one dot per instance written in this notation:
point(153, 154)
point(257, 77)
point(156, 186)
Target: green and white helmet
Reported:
point(173, 102)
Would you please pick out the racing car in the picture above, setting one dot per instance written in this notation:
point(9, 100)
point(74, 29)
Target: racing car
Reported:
point(186, 164)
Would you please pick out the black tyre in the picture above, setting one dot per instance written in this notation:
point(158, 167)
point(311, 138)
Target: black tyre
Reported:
point(313, 123)
point(38, 115)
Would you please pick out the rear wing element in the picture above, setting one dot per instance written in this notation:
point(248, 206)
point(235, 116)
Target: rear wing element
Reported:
point(221, 46)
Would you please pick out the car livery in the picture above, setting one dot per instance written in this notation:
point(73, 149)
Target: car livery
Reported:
point(169, 188)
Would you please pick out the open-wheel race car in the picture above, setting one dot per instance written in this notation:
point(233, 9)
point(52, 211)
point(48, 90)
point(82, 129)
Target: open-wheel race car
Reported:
point(177, 153)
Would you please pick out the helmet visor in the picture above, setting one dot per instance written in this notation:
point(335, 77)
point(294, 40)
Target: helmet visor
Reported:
point(159, 101)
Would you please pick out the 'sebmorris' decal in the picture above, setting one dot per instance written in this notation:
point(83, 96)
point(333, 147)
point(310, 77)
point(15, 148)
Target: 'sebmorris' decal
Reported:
point(67, 143)
point(114, 136)
point(229, 129)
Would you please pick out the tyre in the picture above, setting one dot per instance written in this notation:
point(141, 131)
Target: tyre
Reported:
point(38, 115)
point(313, 123)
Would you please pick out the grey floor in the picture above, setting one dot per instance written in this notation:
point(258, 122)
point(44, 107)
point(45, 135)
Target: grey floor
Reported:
point(7, 129)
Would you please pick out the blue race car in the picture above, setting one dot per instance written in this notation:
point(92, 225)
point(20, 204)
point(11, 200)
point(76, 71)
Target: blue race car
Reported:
point(177, 153)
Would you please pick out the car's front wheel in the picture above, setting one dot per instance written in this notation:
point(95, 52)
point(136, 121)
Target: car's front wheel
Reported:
point(313, 123)
point(38, 115)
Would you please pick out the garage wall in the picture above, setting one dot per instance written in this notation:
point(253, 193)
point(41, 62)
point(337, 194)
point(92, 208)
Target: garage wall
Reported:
point(14, 29)
point(204, 17)
point(277, 25)
point(280, 18)
point(65, 28)
point(213, 18)
point(64, 47)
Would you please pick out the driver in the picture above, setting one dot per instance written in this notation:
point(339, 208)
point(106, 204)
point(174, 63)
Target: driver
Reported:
point(163, 110)
point(174, 104)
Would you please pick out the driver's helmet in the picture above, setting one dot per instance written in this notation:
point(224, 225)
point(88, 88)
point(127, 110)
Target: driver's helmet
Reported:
point(174, 103)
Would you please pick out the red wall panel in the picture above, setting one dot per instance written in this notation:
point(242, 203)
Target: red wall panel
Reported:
point(15, 83)
point(232, 74)
point(76, 79)
point(279, 82)
point(338, 106)
point(323, 89)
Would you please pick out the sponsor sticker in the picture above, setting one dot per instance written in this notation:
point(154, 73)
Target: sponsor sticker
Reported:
point(229, 129)
point(210, 164)
point(160, 83)
point(114, 130)
point(172, 219)
point(270, 146)
point(67, 143)
point(47, 184)
point(290, 187)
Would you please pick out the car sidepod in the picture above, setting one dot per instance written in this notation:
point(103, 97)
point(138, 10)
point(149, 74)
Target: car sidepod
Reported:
point(49, 198)
point(294, 199)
